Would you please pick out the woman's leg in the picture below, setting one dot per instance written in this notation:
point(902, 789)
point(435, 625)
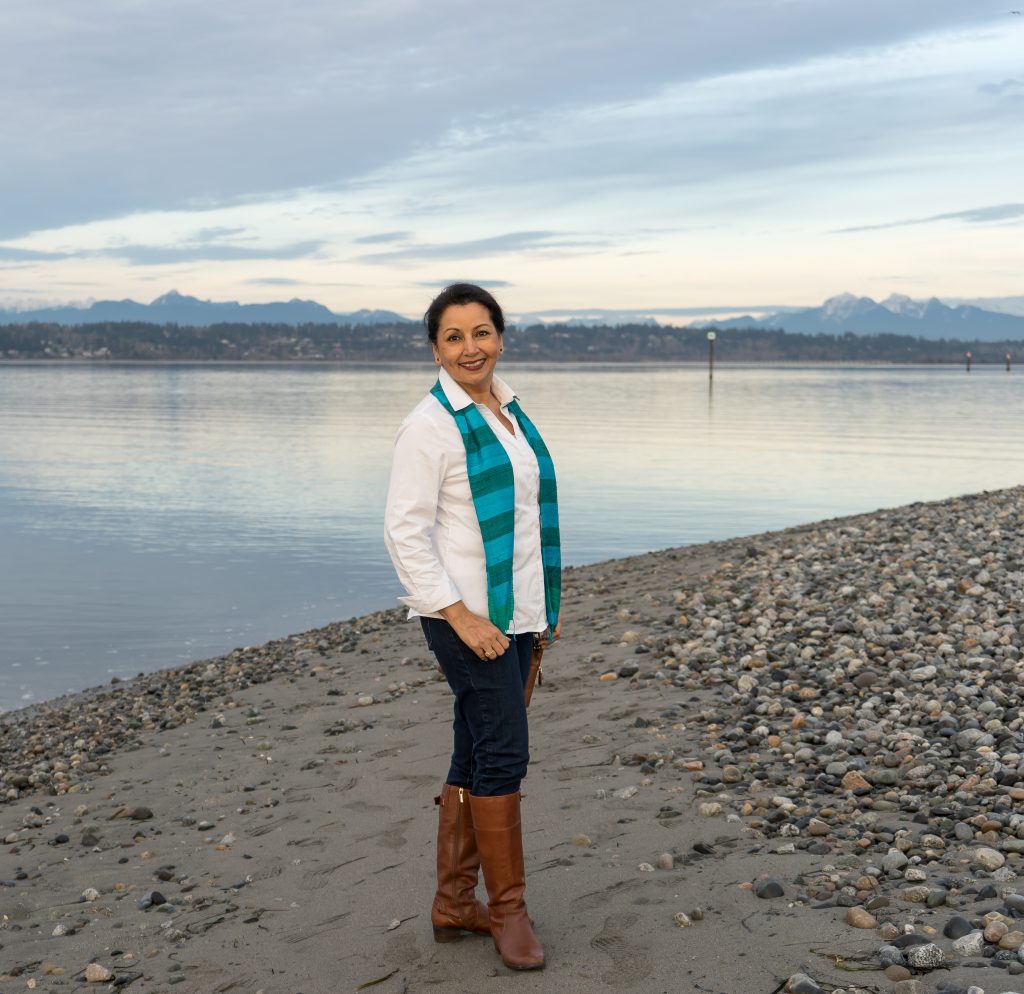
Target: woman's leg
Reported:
point(489, 704)
point(455, 909)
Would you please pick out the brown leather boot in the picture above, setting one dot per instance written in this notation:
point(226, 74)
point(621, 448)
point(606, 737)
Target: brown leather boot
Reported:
point(499, 839)
point(456, 909)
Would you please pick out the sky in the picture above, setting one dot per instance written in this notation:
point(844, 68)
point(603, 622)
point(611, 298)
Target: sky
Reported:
point(664, 157)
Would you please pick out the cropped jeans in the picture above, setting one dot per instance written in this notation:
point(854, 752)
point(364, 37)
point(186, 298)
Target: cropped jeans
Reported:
point(491, 741)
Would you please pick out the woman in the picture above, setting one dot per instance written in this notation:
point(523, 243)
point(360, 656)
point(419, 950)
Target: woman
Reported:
point(472, 528)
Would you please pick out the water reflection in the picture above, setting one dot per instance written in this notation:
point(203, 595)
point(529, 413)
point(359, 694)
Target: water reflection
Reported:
point(152, 514)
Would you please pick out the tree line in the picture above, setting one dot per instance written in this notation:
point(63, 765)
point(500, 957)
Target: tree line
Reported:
point(403, 342)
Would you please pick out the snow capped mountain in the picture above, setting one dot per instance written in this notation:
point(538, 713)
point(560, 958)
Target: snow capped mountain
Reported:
point(900, 303)
point(896, 315)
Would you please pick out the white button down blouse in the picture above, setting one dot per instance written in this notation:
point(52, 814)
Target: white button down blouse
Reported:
point(430, 524)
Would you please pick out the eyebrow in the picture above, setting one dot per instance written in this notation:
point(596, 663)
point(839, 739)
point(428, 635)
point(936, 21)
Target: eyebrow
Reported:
point(476, 327)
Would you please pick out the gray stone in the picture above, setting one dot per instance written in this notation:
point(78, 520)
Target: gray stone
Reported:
point(800, 983)
point(957, 927)
point(890, 956)
point(971, 944)
point(769, 888)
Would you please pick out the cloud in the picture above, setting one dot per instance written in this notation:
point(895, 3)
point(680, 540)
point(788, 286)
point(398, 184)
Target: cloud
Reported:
point(287, 281)
point(177, 104)
point(384, 237)
point(10, 253)
point(976, 215)
point(1008, 87)
point(512, 241)
point(159, 255)
point(492, 284)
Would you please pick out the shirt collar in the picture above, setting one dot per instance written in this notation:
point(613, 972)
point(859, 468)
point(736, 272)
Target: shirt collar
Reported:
point(460, 400)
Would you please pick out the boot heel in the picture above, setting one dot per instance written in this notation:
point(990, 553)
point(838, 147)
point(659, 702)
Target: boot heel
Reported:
point(443, 934)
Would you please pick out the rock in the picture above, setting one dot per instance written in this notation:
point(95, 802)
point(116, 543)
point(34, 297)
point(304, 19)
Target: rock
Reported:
point(709, 809)
point(957, 927)
point(995, 930)
point(894, 860)
point(769, 888)
point(913, 986)
point(666, 861)
point(896, 972)
point(682, 919)
point(855, 782)
point(800, 983)
point(90, 894)
point(859, 918)
point(584, 841)
point(95, 973)
point(925, 957)
point(989, 859)
point(970, 945)
point(890, 956)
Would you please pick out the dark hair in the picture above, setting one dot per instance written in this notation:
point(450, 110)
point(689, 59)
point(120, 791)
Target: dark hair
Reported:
point(458, 294)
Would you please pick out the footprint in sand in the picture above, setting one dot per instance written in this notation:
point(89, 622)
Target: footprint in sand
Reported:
point(630, 961)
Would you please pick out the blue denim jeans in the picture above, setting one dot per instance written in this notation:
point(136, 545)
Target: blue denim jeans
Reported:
point(491, 740)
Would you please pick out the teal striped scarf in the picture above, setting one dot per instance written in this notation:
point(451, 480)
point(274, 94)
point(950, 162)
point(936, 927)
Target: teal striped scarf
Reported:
point(493, 488)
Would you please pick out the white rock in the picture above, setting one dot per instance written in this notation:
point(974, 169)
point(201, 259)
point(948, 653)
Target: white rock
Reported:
point(96, 973)
point(990, 859)
point(90, 893)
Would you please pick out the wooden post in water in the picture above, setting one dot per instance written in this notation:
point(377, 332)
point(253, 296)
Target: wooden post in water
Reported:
point(968, 357)
point(1007, 361)
point(711, 356)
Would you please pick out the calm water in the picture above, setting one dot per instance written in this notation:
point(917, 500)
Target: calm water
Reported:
point(155, 514)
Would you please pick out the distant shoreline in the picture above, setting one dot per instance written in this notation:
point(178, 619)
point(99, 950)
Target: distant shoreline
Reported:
point(420, 364)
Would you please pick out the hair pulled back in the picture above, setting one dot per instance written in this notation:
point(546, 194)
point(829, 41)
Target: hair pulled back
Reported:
point(459, 294)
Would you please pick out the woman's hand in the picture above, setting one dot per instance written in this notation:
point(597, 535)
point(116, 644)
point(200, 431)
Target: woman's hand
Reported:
point(557, 634)
point(478, 633)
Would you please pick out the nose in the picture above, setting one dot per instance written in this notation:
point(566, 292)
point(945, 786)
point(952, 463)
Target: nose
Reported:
point(472, 346)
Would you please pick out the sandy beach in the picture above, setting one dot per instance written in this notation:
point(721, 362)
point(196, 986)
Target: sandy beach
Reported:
point(752, 760)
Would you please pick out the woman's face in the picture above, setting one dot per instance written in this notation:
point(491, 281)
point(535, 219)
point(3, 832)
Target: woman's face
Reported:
point(468, 346)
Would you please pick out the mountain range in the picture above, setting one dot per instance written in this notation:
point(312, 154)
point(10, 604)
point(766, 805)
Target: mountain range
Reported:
point(176, 308)
point(899, 315)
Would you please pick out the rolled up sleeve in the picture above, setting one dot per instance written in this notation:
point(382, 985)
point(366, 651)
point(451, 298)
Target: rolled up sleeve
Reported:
point(417, 472)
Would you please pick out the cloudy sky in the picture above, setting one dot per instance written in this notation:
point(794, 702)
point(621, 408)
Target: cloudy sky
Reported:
point(667, 156)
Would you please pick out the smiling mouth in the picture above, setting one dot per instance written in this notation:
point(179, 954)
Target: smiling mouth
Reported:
point(473, 366)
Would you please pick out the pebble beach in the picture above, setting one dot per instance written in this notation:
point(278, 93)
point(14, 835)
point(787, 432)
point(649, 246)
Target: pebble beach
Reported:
point(788, 762)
